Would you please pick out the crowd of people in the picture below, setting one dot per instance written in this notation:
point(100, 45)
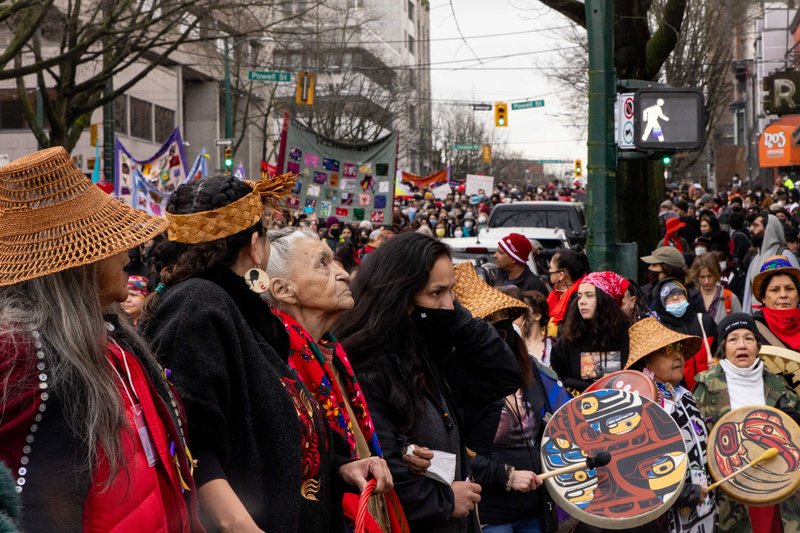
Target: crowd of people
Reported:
point(233, 367)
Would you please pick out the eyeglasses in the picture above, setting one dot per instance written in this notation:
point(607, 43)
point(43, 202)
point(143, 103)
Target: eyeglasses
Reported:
point(555, 271)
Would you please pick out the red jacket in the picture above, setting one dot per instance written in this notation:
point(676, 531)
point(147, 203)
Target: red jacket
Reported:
point(142, 497)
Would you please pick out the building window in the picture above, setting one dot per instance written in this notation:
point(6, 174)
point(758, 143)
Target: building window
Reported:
point(11, 117)
point(354, 4)
point(410, 10)
point(411, 44)
point(141, 119)
point(165, 122)
point(121, 114)
point(190, 21)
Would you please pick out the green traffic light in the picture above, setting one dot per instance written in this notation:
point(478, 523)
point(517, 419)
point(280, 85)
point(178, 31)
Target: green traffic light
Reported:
point(228, 162)
point(666, 160)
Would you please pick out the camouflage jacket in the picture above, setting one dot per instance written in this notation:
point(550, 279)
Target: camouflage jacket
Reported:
point(711, 394)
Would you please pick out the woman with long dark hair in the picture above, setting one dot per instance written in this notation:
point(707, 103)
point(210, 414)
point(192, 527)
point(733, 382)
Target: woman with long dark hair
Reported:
point(419, 356)
point(594, 336)
point(89, 424)
point(267, 455)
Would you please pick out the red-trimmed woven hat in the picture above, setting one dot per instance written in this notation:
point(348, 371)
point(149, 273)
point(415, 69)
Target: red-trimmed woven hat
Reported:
point(517, 246)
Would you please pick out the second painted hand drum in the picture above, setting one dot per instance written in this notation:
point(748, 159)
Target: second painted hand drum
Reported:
point(648, 458)
point(744, 434)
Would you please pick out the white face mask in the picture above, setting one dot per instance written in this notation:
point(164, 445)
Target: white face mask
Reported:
point(699, 251)
point(458, 233)
point(481, 220)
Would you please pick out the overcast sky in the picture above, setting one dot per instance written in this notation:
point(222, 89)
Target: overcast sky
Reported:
point(536, 133)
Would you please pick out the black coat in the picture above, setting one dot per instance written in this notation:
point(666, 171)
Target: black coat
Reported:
point(227, 353)
point(566, 359)
point(477, 369)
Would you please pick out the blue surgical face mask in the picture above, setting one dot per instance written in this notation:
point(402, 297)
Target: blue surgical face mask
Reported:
point(677, 309)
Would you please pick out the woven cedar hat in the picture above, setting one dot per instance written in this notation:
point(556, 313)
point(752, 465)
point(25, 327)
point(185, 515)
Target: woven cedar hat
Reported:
point(207, 226)
point(648, 336)
point(53, 218)
point(481, 300)
point(777, 264)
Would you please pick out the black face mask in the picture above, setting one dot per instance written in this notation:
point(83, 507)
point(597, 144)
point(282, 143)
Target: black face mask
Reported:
point(364, 239)
point(334, 232)
point(652, 278)
point(434, 324)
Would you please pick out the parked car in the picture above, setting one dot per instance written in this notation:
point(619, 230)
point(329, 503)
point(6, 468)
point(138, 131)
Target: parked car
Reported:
point(520, 216)
point(481, 248)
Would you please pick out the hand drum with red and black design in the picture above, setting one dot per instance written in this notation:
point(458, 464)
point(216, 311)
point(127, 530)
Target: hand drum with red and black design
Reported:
point(631, 381)
point(741, 436)
point(648, 458)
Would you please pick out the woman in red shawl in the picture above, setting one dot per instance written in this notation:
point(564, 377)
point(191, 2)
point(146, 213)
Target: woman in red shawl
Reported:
point(566, 270)
point(309, 291)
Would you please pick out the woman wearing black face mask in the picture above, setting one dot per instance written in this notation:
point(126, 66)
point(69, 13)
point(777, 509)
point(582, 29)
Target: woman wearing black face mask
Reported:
point(419, 356)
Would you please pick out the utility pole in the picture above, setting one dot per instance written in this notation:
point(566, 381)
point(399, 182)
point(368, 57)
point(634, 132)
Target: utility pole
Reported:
point(228, 102)
point(602, 150)
point(108, 111)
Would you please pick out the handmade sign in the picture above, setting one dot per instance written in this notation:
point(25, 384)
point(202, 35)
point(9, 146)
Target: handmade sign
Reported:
point(353, 182)
point(743, 435)
point(631, 381)
point(648, 458)
point(152, 179)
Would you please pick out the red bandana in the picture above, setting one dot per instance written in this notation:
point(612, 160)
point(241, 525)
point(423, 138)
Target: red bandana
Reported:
point(557, 302)
point(785, 324)
point(610, 283)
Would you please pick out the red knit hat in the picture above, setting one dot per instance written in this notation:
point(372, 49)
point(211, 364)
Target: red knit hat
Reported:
point(517, 246)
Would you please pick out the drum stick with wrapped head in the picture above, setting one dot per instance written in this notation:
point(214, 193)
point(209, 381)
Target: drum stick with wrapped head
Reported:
point(766, 456)
point(601, 459)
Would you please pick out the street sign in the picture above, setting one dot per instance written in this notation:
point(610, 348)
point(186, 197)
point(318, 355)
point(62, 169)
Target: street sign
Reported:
point(669, 119)
point(625, 114)
point(223, 142)
point(527, 105)
point(458, 147)
point(255, 75)
point(481, 107)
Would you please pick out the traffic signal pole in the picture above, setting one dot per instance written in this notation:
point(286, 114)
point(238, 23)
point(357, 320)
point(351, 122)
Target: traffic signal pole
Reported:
point(602, 162)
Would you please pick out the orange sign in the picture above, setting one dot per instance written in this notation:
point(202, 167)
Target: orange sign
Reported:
point(775, 146)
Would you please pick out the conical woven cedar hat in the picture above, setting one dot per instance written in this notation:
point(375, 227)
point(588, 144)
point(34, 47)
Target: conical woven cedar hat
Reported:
point(481, 300)
point(53, 218)
point(649, 335)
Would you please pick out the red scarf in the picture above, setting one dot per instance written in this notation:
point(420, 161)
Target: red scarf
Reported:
point(306, 357)
point(675, 239)
point(785, 324)
point(557, 302)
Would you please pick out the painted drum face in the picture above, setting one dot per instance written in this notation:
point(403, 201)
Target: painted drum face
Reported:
point(648, 458)
point(631, 381)
point(743, 435)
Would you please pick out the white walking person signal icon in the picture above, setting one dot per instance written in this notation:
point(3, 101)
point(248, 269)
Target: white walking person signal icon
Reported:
point(651, 116)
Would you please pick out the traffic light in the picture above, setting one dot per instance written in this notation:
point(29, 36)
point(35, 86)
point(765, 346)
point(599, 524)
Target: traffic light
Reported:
point(500, 114)
point(667, 159)
point(486, 153)
point(578, 168)
point(304, 91)
point(228, 162)
point(93, 134)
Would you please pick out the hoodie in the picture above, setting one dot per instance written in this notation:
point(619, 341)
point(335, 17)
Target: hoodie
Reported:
point(688, 324)
point(774, 244)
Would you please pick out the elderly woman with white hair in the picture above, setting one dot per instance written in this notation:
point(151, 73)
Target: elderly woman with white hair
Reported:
point(309, 291)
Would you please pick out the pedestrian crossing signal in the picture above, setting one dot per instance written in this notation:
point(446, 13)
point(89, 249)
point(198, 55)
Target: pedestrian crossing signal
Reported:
point(228, 157)
point(500, 114)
